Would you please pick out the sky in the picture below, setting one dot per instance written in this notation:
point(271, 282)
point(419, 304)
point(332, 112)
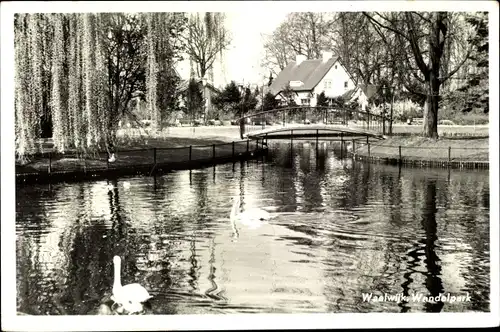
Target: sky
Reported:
point(242, 59)
point(246, 51)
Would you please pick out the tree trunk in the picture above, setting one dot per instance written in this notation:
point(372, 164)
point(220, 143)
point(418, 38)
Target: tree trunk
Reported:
point(432, 84)
point(431, 108)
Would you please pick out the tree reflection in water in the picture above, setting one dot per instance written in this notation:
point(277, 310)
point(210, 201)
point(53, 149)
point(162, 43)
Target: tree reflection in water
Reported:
point(433, 280)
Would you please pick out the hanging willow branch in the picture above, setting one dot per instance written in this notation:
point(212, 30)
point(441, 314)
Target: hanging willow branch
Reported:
point(57, 77)
point(36, 81)
point(74, 73)
point(100, 82)
point(152, 70)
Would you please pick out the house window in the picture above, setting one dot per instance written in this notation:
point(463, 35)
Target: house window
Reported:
point(305, 101)
point(345, 84)
point(328, 84)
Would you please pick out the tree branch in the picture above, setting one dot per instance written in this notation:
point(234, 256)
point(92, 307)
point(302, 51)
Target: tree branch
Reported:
point(374, 21)
point(457, 68)
point(415, 47)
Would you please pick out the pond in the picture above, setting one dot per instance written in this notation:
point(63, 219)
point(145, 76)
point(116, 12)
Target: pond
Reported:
point(339, 230)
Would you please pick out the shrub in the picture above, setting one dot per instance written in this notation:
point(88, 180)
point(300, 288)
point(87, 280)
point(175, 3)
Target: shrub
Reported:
point(406, 109)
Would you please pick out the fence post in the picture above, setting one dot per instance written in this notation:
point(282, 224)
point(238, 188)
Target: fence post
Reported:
point(213, 151)
point(248, 145)
point(367, 140)
point(291, 136)
point(449, 155)
point(317, 137)
point(154, 155)
point(233, 149)
point(400, 160)
point(50, 162)
point(353, 146)
point(190, 152)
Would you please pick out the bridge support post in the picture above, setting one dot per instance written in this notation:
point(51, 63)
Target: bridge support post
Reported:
point(341, 144)
point(317, 142)
point(50, 163)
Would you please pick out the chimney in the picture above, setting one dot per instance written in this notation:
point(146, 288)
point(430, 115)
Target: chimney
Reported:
point(299, 58)
point(327, 56)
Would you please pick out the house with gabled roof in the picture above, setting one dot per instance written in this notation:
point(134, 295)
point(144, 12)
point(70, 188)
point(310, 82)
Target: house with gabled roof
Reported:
point(361, 94)
point(308, 78)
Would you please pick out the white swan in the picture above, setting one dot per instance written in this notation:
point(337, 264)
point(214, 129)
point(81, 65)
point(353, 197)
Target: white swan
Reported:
point(112, 159)
point(130, 296)
point(252, 217)
point(126, 184)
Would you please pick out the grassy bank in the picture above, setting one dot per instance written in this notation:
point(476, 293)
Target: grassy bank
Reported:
point(136, 151)
point(420, 148)
point(443, 130)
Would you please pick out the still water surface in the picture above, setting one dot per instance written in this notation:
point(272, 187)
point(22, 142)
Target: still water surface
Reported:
point(339, 229)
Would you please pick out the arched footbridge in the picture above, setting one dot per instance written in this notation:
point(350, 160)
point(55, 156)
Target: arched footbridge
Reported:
point(313, 123)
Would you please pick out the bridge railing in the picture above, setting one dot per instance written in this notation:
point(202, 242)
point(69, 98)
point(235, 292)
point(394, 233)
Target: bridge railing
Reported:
point(306, 115)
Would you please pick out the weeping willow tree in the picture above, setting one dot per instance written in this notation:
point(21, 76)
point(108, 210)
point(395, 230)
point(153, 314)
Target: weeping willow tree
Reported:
point(76, 73)
point(63, 54)
point(28, 82)
point(162, 81)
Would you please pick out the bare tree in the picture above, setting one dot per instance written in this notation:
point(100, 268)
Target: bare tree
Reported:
point(360, 48)
point(301, 33)
point(427, 35)
point(206, 38)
